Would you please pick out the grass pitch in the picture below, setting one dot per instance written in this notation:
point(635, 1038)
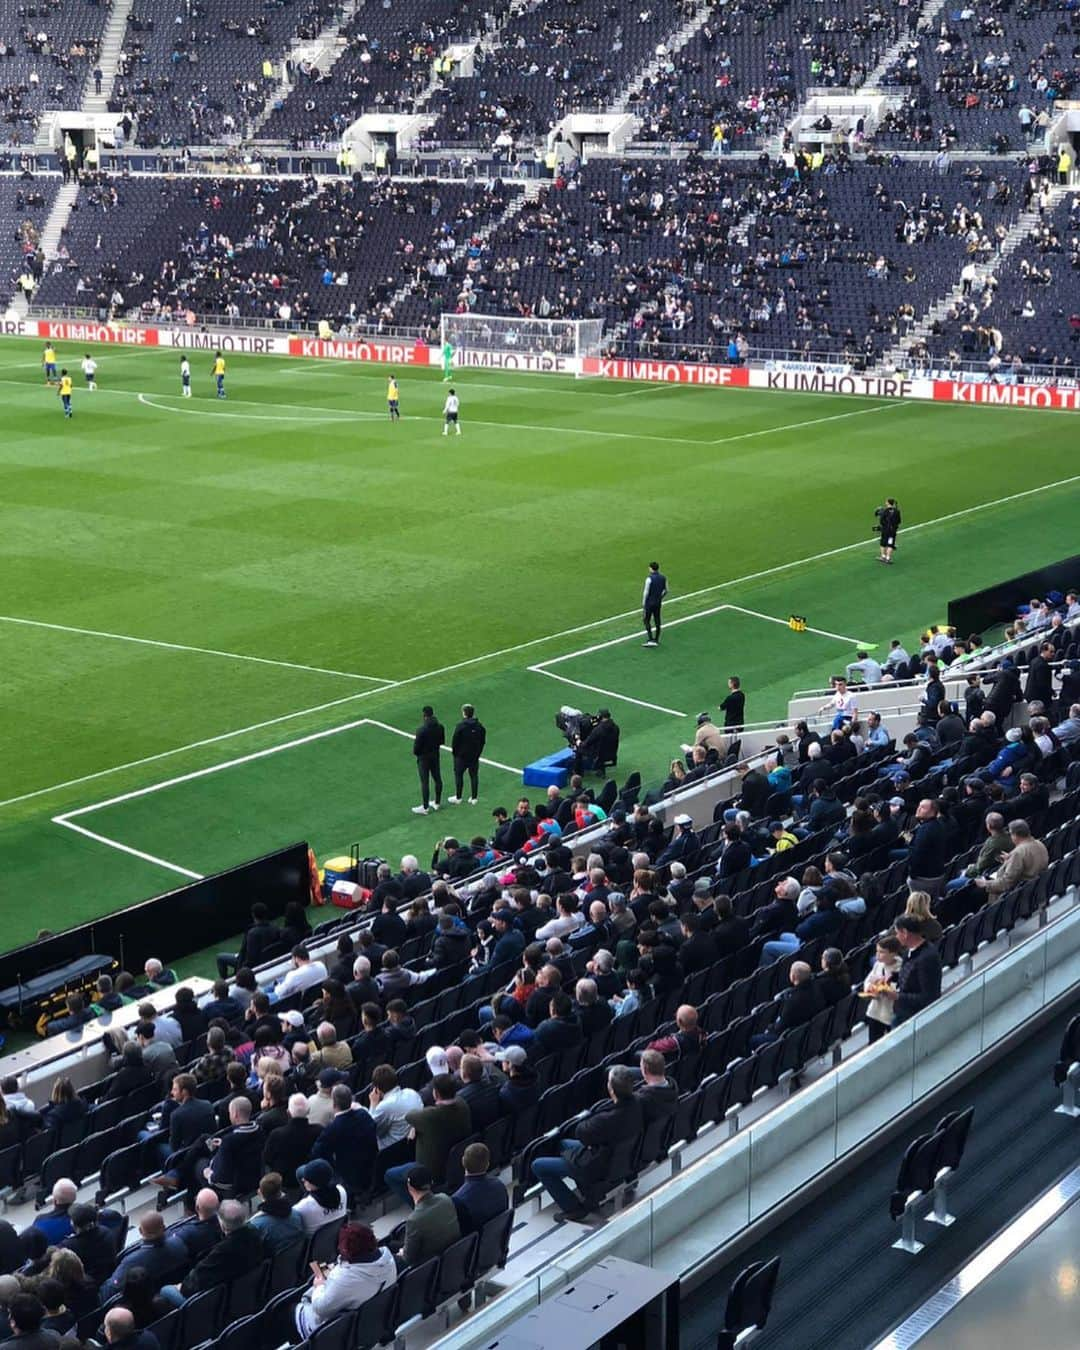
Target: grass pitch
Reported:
point(190, 583)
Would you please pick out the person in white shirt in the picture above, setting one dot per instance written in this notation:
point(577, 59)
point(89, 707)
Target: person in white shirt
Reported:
point(323, 1201)
point(450, 414)
point(362, 1269)
point(867, 667)
point(185, 376)
point(165, 1028)
point(304, 974)
point(566, 920)
point(843, 703)
point(89, 369)
point(15, 1100)
point(389, 1104)
point(1073, 611)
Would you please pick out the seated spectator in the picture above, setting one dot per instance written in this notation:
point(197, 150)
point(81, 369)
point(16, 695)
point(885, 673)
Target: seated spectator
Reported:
point(834, 978)
point(592, 1013)
point(437, 1129)
point(91, 1243)
point(687, 1038)
point(288, 1146)
point(362, 1269)
point(201, 1230)
point(918, 908)
point(122, 1332)
point(240, 1250)
point(560, 1030)
point(26, 1314)
point(260, 940)
point(324, 1200)
point(327, 1052)
point(348, 1142)
point(276, 1222)
point(433, 1224)
point(58, 1317)
point(1027, 859)
point(798, 1005)
point(919, 981)
point(17, 1102)
point(320, 1106)
point(480, 1091)
point(55, 1223)
point(221, 1004)
point(158, 1055)
point(480, 1197)
point(389, 1104)
point(80, 1294)
point(585, 1153)
point(75, 1016)
point(236, 1158)
point(162, 1255)
point(133, 1073)
point(304, 973)
point(141, 1298)
point(657, 1092)
point(192, 1019)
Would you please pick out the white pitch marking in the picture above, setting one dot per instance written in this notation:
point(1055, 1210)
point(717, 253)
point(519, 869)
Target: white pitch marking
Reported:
point(608, 693)
point(821, 632)
point(541, 667)
point(343, 419)
point(126, 848)
point(202, 651)
point(531, 642)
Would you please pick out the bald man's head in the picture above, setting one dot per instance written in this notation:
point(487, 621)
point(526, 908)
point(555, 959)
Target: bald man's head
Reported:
point(206, 1203)
point(119, 1322)
point(152, 1226)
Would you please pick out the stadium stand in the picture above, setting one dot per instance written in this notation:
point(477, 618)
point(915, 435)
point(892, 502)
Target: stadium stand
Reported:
point(530, 1039)
point(46, 52)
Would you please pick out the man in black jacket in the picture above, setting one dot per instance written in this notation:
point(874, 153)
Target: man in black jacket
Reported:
point(559, 1031)
point(90, 1242)
point(239, 1251)
point(919, 983)
point(467, 745)
point(430, 736)
point(237, 1160)
point(586, 1156)
point(261, 937)
point(202, 1230)
point(600, 747)
point(290, 1145)
point(798, 1005)
point(452, 944)
point(926, 856)
point(481, 1091)
point(1040, 680)
point(657, 1093)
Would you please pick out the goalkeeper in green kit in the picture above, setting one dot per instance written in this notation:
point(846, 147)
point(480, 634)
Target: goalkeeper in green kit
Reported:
point(447, 360)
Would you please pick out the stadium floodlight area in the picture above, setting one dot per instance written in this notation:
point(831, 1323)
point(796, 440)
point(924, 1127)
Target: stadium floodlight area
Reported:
point(508, 342)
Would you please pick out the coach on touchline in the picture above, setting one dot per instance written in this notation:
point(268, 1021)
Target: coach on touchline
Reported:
point(467, 745)
point(651, 599)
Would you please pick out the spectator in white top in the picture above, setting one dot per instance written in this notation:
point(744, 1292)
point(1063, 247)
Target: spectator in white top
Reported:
point(568, 916)
point(1067, 732)
point(362, 1269)
point(1073, 611)
point(867, 667)
point(323, 1200)
point(843, 704)
point(166, 1028)
point(15, 1100)
point(304, 974)
point(389, 1104)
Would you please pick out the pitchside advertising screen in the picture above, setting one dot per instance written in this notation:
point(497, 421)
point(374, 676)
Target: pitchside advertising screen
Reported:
point(790, 377)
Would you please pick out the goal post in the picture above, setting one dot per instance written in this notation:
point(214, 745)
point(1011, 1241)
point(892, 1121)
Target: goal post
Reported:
point(500, 342)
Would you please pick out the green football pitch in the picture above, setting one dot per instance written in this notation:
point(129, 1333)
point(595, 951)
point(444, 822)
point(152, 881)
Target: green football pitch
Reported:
point(220, 619)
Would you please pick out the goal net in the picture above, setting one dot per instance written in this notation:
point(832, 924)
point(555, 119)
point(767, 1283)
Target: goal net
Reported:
point(501, 343)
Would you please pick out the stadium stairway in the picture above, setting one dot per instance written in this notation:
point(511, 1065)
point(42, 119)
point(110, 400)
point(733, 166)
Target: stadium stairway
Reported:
point(491, 40)
point(112, 44)
point(326, 50)
point(674, 44)
point(929, 13)
point(897, 356)
point(1016, 1150)
point(57, 221)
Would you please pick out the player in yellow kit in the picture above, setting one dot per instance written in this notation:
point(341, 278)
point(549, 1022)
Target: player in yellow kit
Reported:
point(392, 399)
point(48, 362)
point(219, 374)
point(65, 392)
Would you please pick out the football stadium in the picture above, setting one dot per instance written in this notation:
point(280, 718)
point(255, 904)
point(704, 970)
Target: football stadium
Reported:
point(541, 664)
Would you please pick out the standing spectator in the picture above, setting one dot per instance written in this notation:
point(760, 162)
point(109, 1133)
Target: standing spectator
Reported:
point(926, 855)
point(430, 737)
point(888, 959)
point(466, 746)
point(919, 982)
point(734, 705)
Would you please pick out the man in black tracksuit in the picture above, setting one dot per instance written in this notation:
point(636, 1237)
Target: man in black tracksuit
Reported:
point(430, 736)
point(467, 745)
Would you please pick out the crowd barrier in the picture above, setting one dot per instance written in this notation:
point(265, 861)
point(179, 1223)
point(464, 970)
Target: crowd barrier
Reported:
point(812, 380)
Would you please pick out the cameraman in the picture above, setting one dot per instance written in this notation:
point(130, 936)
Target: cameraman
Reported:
point(888, 517)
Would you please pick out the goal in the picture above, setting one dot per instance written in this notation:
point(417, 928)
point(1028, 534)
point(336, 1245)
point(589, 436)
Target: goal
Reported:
point(511, 343)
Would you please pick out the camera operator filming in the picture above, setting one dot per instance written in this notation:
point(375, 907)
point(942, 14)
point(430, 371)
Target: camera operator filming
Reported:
point(888, 524)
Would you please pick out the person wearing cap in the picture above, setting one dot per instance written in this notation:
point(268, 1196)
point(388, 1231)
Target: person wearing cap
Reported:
point(684, 845)
point(433, 1224)
point(782, 837)
point(324, 1199)
point(320, 1107)
point(522, 1088)
point(707, 735)
point(362, 1269)
point(480, 1197)
point(600, 747)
